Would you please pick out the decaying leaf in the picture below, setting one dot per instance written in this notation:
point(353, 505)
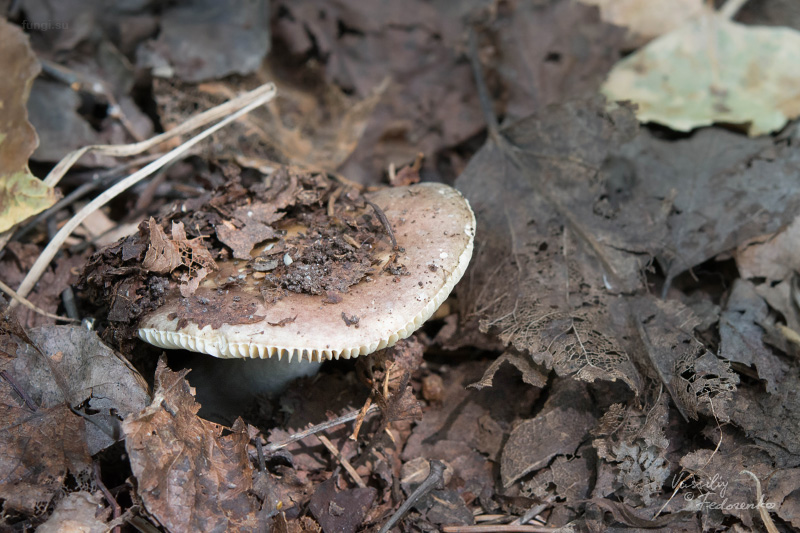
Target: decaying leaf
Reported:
point(713, 70)
point(41, 444)
point(39, 449)
point(705, 381)
point(531, 445)
point(190, 476)
point(696, 379)
point(252, 226)
point(742, 327)
point(708, 193)
point(561, 479)
point(714, 481)
point(645, 18)
point(341, 511)
point(471, 425)
point(21, 193)
point(81, 512)
point(771, 420)
point(634, 443)
point(539, 67)
point(534, 187)
point(316, 127)
point(84, 373)
point(530, 374)
point(241, 40)
point(430, 103)
point(770, 263)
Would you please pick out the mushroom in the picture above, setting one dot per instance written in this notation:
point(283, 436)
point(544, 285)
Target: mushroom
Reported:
point(434, 228)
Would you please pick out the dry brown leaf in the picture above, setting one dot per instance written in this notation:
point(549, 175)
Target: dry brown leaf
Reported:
point(190, 476)
point(40, 448)
point(165, 255)
point(86, 374)
point(162, 254)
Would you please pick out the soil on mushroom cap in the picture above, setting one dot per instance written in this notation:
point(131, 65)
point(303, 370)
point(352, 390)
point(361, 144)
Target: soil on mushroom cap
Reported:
point(292, 232)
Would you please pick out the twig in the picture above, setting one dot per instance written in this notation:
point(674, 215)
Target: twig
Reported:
point(262, 463)
point(126, 150)
point(26, 303)
point(316, 429)
point(19, 390)
point(362, 414)
point(483, 92)
point(262, 95)
point(101, 179)
point(332, 201)
point(530, 514)
point(385, 222)
point(499, 529)
point(730, 8)
point(435, 480)
point(762, 509)
point(342, 460)
point(116, 510)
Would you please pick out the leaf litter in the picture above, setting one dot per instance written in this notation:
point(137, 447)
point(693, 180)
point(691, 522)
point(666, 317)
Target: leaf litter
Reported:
point(628, 324)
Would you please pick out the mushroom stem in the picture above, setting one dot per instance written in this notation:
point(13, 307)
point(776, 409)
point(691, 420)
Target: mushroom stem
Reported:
point(226, 388)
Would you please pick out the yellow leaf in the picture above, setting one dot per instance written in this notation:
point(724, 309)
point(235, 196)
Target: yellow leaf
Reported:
point(22, 195)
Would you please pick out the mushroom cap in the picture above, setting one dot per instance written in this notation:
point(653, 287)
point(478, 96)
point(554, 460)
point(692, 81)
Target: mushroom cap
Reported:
point(434, 227)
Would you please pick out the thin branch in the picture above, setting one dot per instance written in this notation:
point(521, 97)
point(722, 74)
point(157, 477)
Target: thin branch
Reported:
point(126, 150)
point(499, 528)
point(115, 508)
point(256, 99)
point(435, 480)
point(731, 8)
point(342, 460)
point(385, 221)
point(316, 429)
point(483, 92)
point(26, 303)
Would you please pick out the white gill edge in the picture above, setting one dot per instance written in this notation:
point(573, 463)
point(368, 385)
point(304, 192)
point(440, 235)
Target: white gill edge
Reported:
point(220, 347)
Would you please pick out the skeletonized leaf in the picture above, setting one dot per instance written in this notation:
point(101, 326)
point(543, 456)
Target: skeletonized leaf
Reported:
point(713, 70)
point(21, 193)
